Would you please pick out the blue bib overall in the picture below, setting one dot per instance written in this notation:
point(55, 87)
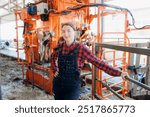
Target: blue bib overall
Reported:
point(66, 86)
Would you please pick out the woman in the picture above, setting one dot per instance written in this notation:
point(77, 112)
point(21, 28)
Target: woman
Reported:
point(70, 57)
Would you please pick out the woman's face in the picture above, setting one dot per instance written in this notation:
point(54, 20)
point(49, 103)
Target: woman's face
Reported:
point(68, 33)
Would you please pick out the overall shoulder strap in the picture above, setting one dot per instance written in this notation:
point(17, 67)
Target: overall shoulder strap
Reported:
point(59, 48)
point(76, 50)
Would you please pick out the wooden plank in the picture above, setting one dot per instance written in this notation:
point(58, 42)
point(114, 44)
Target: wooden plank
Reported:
point(142, 51)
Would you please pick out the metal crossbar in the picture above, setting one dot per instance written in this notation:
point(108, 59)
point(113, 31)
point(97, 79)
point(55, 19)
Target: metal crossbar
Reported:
point(138, 83)
point(110, 89)
point(142, 51)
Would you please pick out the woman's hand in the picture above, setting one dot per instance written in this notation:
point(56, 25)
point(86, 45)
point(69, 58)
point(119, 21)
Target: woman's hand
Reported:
point(124, 75)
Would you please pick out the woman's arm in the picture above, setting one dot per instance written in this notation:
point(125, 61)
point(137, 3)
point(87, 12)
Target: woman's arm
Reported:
point(87, 55)
point(53, 59)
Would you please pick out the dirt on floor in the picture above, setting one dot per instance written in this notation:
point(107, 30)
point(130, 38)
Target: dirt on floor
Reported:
point(13, 88)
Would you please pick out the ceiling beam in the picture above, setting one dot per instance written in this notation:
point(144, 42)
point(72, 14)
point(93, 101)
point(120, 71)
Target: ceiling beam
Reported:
point(4, 8)
point(5, 15)
point(17, 5)
point(11, 8)
point(7, 4)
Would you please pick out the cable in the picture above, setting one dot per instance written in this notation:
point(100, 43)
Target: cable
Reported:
point(65, 12)
point(110, 6)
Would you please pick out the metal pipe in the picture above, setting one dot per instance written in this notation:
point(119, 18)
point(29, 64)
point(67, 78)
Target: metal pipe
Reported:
point(23, 3)
point(111, 94)
point(112, 85)
point(94, 86)
point(0, 93)
point(98, 97)
point(9, 5)
point(0, 89)
point(138, 83)
point(0, 28)
point(110, 89)
point(18, 60)
point(17, 4)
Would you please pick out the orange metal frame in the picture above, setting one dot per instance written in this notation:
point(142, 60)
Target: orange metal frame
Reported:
point(99, 89)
